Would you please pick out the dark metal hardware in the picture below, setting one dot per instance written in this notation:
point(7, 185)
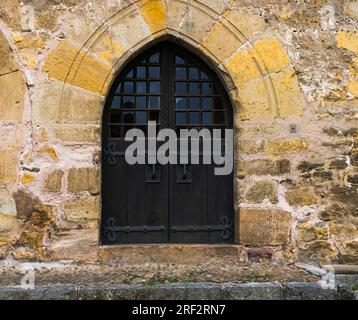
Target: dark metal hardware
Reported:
point(225, 227)
point(111, 229)
point(152, 173)
point(111, 152)
point(184, 173)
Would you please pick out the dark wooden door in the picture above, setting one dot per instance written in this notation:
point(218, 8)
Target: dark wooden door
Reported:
point(172, 203)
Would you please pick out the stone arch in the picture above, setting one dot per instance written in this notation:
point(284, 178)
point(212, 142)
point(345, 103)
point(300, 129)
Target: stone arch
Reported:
point(252, 63)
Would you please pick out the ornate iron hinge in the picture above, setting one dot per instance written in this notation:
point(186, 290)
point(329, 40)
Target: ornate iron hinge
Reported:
point(111, 152)
point(111, 229)
point(225, 227)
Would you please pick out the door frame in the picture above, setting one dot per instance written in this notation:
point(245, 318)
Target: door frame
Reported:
point(230, 102)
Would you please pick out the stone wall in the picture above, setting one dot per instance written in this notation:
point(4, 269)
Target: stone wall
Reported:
point(285, 64)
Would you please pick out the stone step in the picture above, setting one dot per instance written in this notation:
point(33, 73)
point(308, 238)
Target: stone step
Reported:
point(181, 291)
point(167, 253)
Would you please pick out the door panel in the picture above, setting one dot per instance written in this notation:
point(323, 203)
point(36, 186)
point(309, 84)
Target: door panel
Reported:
point(172, 203)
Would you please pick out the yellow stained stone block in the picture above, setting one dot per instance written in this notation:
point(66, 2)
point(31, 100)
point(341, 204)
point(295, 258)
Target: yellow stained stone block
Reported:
point(242, 67)
point(287, 93)
point(254, 100)
point(348, 40)
point(285, 147)
point(27, 178)
point(153, 12)
point(266, 56)
point(353, 87)
point(221, 42)
point(88, 72)
point(271, 53)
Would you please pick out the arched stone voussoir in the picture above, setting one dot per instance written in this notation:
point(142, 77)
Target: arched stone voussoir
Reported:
point(190, 18)
point(251, 67)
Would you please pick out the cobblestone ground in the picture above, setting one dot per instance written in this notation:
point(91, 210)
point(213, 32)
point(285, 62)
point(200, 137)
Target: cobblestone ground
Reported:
point(152, 273)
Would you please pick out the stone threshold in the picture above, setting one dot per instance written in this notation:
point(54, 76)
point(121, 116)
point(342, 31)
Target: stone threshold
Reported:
point(183, 291)
point(168, 253)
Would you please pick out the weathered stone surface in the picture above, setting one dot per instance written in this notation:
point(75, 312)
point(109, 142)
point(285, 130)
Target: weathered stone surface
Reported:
point(221, 41)
point(7, 203)
point(242, 66)
point(24, 254)
point(271, 54)
point(346, 195)
point(285, 147)
point(53, 181)
point(84, 179)
point(259, 254)
point(129, 30)
point(287, 93)
point(334, 212)
point(255, 130)
point(77, 133)
point(250, 146)
point(218, 6)
point(263, 167)
point(351, 252)
point(249, 24)
point(75, 244)
point(25, 203)
point(43, 215)
point(9, 227)
point(153, 12)
point(338, 164)
point(196, 23)
point(266, 55)
point(343, 230)
point(48, 151)
point(173, 254)
point(262, 190)
point(32, 237)
point(91, 73)
point(27, 18)
point(306, 232)
point(53, 103)
point(7, 63)
point(27, 178)
point(348, 40)
point(317, 251)
point(264, 227)
point(8, 167)
point(255, 100)
point(82, 209)
point(309, 166)
point(109, 50)
point(353, 178)
point(353, 87)
point(12, 95)
point(301, 197)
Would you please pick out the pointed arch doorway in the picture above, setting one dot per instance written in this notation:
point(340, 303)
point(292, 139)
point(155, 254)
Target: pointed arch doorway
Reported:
point(164, 203)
